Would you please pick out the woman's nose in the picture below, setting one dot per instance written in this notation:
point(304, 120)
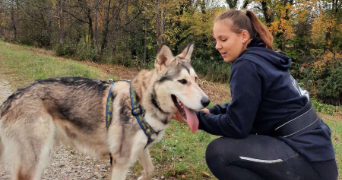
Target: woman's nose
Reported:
point(218, 46)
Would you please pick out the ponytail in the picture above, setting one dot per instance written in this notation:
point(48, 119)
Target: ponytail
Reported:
point(261, 29)
point(250, 22)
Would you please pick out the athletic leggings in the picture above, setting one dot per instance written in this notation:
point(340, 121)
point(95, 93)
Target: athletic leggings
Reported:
point(260, 157)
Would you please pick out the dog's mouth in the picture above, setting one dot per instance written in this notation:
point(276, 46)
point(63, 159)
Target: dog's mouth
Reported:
point(188, 114)
point(179, 105)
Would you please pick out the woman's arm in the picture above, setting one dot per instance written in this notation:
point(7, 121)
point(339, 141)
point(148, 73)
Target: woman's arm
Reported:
point(238, 118)
point(219, 109)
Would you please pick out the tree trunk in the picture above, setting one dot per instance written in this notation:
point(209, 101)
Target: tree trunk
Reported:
point(245, 4)
point(60, 12)
point(145, 36)
point(90, 27)
point(13, 22)
point(266, 12)
point(159, 26)
point(127, 30)
point(232, 3)
point(327, 39)
point(95, 31)
point(105, 29)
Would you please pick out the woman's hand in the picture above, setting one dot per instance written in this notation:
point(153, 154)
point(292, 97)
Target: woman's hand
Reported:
point(206, 110)
point(178, 117)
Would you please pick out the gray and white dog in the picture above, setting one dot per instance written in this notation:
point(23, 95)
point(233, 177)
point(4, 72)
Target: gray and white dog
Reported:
point(72, 111)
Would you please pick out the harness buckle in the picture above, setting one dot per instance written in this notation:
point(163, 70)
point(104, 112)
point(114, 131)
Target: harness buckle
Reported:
point(137, 111)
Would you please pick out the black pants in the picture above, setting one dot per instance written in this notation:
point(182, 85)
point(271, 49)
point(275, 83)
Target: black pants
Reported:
point(263, 158)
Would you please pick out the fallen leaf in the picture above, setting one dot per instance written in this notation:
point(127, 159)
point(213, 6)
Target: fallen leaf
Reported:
point(205, 174)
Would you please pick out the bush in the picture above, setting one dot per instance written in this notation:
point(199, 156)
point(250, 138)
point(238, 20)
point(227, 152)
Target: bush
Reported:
point(323, 108)
point(214, 71)
point(323, 78)
point(64, 50)
point(84, 51)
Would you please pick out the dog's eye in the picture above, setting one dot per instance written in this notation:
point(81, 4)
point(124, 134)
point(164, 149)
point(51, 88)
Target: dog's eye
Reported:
point(183, 81)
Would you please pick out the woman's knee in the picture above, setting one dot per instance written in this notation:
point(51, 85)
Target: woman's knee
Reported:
point(215, 153)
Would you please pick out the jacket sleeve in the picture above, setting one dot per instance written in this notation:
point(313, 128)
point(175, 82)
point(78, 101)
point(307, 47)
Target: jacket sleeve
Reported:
point(219, 109)
point(238, 118)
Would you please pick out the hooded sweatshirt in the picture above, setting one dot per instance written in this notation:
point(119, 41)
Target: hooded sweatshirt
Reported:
point(264, 95)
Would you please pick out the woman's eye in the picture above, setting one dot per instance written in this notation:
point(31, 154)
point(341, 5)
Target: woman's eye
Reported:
point(223, 40)
point(183, 81)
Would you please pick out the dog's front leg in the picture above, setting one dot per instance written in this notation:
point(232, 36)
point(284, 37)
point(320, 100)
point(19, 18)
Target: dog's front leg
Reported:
point(120, 167)
point(146, 162)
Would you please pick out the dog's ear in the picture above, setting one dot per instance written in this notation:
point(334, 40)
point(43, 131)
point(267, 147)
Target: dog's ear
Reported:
point(164, 57)
point(186, 54)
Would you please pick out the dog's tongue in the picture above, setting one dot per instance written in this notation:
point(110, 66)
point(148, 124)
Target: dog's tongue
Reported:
point(191, 119)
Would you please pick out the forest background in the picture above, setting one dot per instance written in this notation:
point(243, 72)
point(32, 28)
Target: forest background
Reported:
point(130, 33)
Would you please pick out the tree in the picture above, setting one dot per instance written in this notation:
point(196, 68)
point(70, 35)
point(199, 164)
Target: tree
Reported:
point(13, 18)
point(159, 23)
point(232, 3)
point(60, 14)
point(95, 31)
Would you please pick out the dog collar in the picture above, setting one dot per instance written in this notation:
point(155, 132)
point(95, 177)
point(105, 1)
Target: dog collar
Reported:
point(138, 112)
point(109, 106)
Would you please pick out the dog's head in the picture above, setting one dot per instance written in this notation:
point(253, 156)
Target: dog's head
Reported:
point(178, 82)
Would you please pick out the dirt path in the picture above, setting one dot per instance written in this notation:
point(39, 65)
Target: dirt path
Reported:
point(66, 163)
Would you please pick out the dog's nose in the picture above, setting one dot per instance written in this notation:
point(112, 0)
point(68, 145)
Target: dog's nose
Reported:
point(205, 101)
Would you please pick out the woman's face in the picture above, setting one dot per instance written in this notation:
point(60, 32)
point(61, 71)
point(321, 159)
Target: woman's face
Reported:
point(228, 43)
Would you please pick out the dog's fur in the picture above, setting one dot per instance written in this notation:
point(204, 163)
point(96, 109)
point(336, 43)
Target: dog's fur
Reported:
point(72, 111)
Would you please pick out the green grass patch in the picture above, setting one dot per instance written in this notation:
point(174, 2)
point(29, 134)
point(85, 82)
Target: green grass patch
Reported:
point(325, 108)
point(23, 66)
point(336, 129)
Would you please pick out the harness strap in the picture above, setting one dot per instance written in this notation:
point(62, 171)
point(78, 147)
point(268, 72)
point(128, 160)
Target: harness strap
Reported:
point(109, 113)
point(304, 119)
point(109, 106)
point(138, 112)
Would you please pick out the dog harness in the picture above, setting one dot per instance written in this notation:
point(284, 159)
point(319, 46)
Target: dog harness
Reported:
point(137, 112)
point(109, 106)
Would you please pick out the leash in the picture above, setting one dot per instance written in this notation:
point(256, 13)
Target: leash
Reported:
point(138, 112)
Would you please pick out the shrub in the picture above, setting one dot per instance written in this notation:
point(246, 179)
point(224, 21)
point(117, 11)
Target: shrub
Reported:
point(323, 78)
point(64, 50)
point(214, 71)
point(323, 108)
point(84, 51)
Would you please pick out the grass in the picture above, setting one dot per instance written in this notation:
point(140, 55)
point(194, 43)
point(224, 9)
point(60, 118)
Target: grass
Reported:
point(180, 155)
point(336, 128)
point(22, 65)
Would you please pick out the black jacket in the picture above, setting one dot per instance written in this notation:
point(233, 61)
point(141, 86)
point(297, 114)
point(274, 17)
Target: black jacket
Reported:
point(264, 94)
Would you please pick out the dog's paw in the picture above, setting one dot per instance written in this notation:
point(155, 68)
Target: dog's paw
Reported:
point(143, 177)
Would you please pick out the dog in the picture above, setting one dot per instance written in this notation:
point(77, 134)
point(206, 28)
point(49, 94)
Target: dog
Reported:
point(73, 111)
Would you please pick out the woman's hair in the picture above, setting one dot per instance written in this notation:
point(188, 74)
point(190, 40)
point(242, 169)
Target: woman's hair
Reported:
point(247, 20)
